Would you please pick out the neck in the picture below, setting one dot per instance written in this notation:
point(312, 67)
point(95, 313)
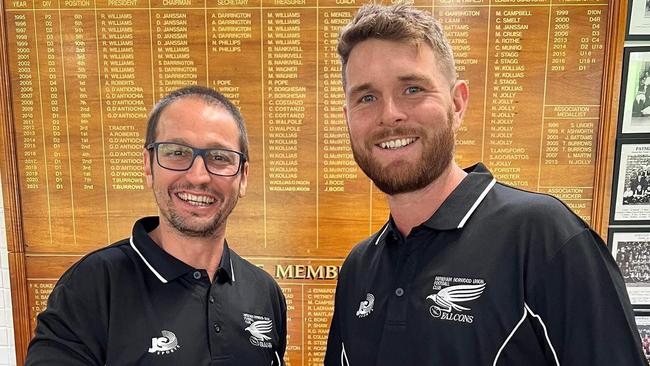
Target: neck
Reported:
point(413, 208)
point(198, 252)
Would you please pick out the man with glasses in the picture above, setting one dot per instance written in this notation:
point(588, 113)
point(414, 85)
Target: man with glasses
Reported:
point(174, 293)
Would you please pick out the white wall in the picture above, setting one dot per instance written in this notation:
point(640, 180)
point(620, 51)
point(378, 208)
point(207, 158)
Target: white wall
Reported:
point(7, 343)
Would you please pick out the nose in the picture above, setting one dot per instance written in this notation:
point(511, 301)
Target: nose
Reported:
point(392, 112)
point(198, 173)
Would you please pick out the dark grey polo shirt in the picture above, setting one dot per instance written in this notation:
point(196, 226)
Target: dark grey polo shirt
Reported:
point(134, 304)
point(497, 276)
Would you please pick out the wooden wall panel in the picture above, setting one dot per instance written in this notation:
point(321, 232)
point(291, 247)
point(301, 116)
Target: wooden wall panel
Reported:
point(79, 76)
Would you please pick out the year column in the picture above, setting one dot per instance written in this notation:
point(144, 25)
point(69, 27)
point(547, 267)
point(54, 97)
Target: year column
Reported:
point(572, 107)
point(25, 87)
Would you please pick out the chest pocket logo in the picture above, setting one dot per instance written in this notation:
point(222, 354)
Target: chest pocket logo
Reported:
point(258, 327)
point(366, 306)
point(446, 302)
point(166, 344)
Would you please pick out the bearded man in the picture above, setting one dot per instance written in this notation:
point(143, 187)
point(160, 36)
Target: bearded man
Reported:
point(466, 271)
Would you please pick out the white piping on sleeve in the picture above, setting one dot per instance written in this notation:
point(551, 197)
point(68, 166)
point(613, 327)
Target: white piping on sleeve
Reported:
point(548, 340)
point(476, 203)
point(277, 356)
point(381, 234)
point(160, 277)
point(514, 330)
point(527, 310)
point(344, 356)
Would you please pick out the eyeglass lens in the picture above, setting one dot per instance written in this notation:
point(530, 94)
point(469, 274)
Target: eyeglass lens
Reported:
point(181, 157)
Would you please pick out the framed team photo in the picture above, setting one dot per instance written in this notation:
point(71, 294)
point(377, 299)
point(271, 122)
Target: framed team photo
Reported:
point(634, 105)
point(643, 323)
point(631, 250)
point(631, 198)
point(638, 27)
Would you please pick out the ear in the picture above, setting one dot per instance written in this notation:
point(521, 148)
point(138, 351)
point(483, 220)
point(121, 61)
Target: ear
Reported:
point(460, 96)
point(243, 183)
point(146, 163)
point(345, 114)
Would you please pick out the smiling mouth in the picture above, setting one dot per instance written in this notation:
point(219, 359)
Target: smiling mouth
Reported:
point(195, 200)
point(397, 143)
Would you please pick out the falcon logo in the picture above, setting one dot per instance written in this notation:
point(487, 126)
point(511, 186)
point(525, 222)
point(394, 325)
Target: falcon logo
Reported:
point(259, 327)
point(365, 307)
point(446, 302)
point(165, 344)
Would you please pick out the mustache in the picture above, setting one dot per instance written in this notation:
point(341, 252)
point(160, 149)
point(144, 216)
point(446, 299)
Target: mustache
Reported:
point(399, 131)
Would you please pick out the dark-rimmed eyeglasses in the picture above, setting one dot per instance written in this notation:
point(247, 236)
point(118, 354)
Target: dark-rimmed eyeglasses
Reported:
point(180, 157)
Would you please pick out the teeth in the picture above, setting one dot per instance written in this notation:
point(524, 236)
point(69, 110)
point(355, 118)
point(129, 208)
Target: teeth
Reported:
point(196, 200)
point(396, 144)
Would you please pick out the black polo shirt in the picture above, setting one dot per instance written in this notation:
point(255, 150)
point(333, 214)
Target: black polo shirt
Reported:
point(497, 276)
point(134, 304)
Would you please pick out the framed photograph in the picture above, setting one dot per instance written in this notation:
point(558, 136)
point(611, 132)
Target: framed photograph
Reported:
point(631, 250)
point(638, 26)
point(643, 323)
point(631, 198)
point(634, 105)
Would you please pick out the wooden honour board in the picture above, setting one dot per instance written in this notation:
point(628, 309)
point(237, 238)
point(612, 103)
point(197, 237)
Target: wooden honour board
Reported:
point(81, 75)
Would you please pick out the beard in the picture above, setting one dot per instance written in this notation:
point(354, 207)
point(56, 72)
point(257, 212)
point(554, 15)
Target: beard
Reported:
point(184, 223)
point(403, 176)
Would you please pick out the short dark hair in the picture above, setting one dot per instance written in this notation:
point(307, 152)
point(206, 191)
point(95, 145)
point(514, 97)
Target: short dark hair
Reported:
point(210, 97)
point(401, 23)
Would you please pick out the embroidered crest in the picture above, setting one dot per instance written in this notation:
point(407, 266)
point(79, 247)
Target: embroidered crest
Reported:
point(259, 326)
point(453, 291)
point(366, 306)
point(166, 344)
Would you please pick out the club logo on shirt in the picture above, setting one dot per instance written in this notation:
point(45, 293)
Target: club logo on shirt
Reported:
point(165, 344)
point(365, 306)
point(258, 327)
point(451, 292)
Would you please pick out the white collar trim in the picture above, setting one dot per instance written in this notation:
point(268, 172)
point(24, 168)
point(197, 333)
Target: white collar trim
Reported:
point(232, 270)
point(478, 202)
point(381, 234)
point(160, 277)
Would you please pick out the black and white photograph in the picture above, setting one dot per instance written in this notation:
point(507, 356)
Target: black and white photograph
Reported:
point(638, 27)
point(631, 251)
point(631, 201)
point(634, 111)
point(643, 323)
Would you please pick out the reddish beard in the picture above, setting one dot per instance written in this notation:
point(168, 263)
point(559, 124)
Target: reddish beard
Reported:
point(407, 176)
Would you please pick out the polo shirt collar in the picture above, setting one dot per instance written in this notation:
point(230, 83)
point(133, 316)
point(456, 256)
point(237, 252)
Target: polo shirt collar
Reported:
point(463, 201)
point(162, 264)
point(460, 205)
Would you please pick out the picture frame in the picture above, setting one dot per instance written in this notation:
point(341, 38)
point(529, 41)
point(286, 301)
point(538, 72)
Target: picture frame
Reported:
point(638, 25)
point(631, 186)
point(630, 248)
point(642, 319)
point(634, 104)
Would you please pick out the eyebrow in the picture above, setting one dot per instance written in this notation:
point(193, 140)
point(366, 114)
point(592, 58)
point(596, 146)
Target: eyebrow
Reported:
point(415, 77)
point(181, 141)
point(405, 78)
point(177, 140)
point(359, 88)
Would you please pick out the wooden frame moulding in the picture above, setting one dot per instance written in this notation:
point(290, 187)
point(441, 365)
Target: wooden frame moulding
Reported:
point(11, 195)
point(604, 165)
